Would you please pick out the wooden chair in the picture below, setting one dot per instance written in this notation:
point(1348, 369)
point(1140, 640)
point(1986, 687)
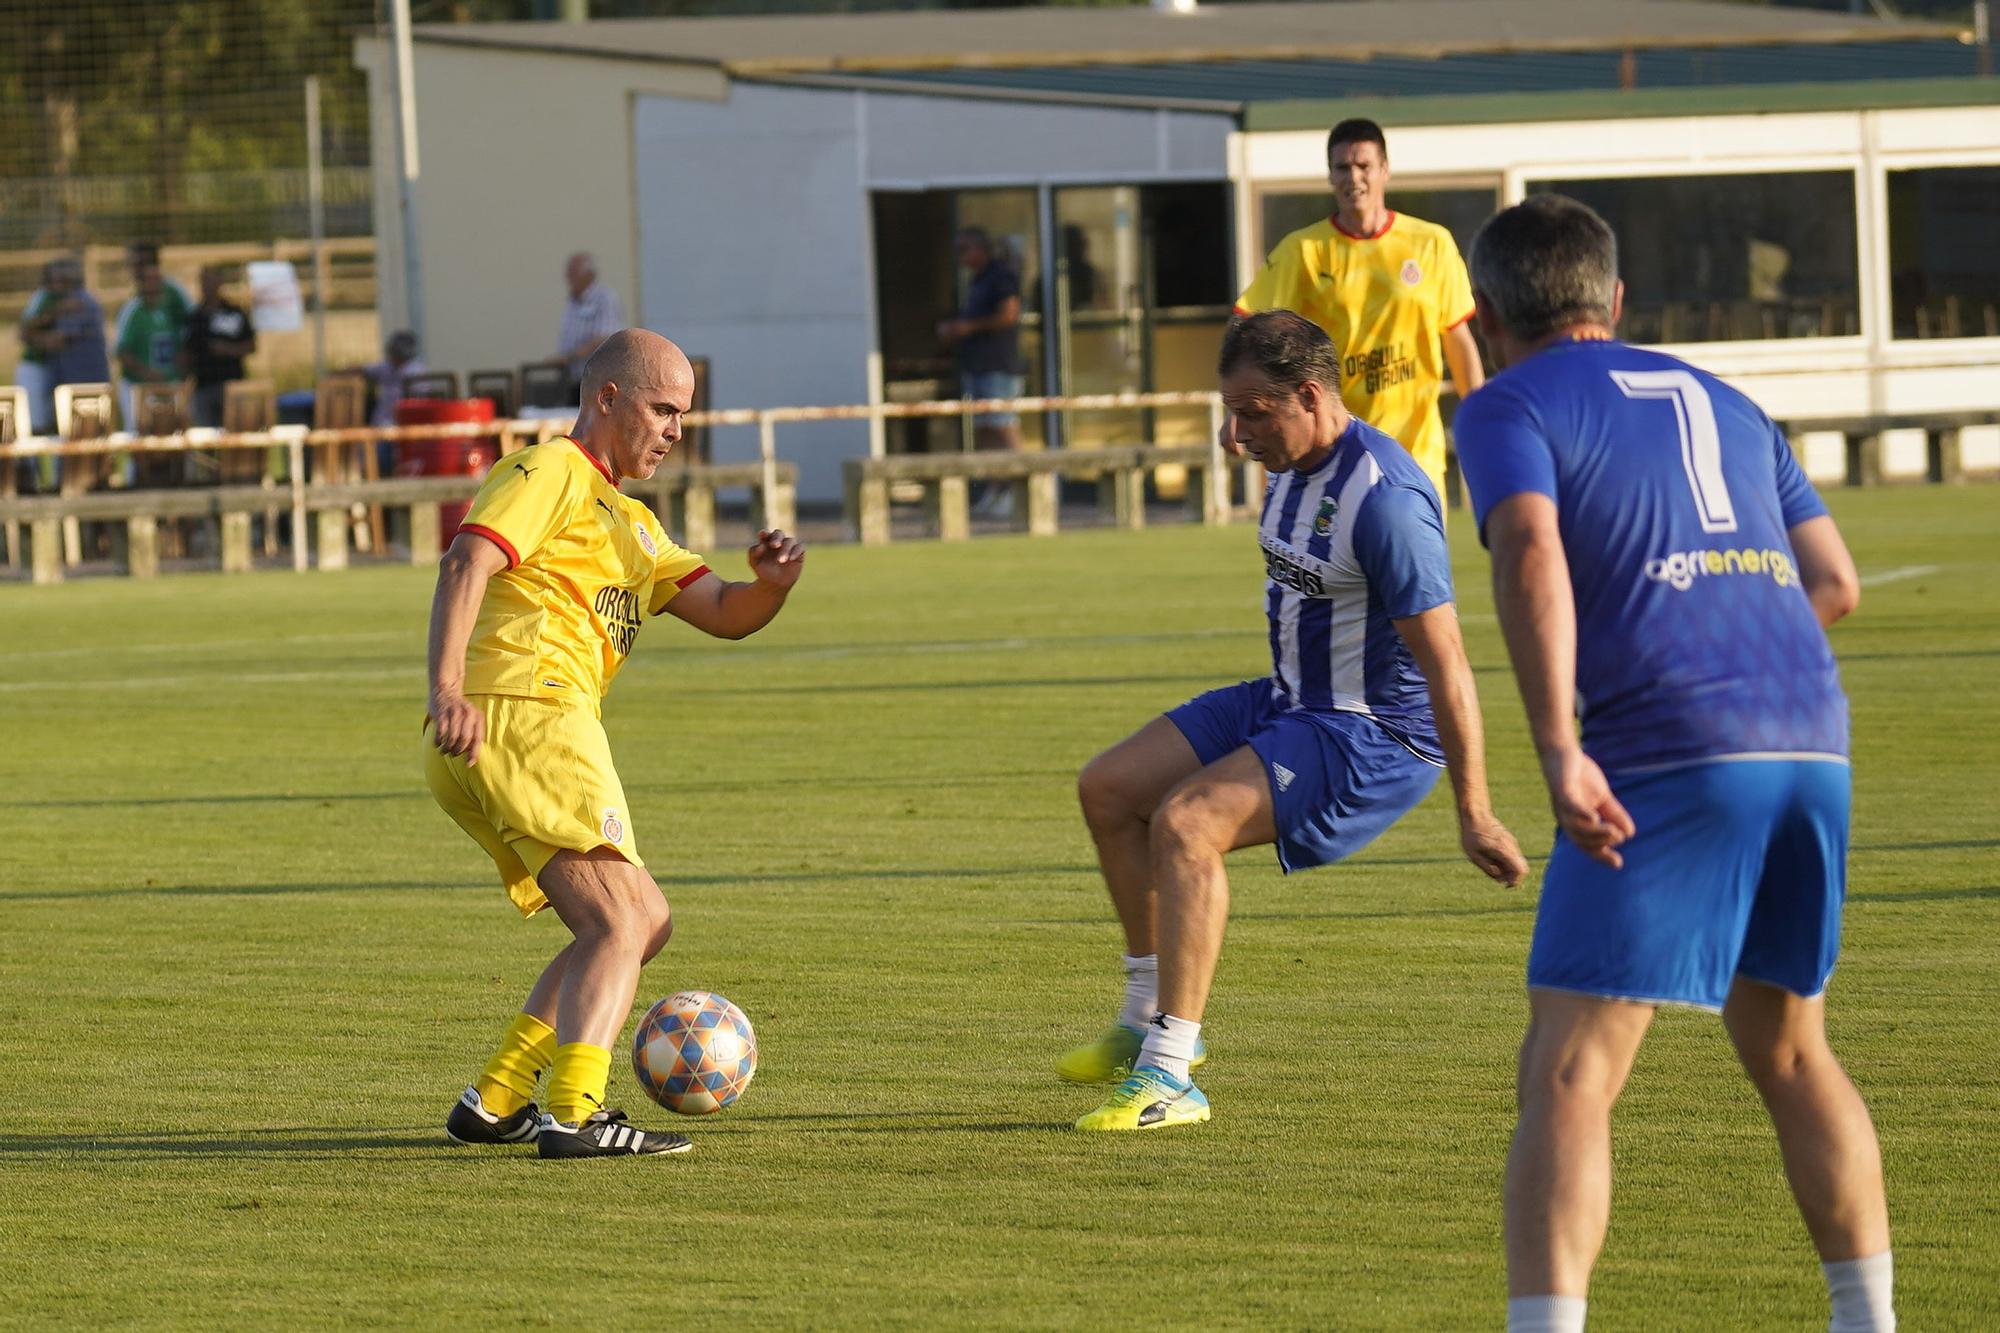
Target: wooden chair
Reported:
point(432, 384)
point(14, 421)
point(83, 412)
point(247, 406)
point(165, 409)
point(340, 402)
point(497, 386)
point(544, 385)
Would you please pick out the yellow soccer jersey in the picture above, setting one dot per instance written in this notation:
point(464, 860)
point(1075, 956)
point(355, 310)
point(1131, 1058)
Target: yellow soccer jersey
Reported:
point(583, 559)
point(1384, 300)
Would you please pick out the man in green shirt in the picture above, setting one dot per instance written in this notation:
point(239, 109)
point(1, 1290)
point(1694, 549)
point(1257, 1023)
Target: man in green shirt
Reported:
point(150, 330)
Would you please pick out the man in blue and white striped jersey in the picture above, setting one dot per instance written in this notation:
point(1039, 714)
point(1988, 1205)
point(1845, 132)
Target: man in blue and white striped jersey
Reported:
point(1369, 697)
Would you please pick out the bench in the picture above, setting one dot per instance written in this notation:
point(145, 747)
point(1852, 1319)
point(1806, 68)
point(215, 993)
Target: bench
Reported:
point(1036, 477)
point(685, 497)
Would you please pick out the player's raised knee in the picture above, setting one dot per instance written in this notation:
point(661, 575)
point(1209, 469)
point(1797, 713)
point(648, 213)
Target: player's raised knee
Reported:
point(1188, 820)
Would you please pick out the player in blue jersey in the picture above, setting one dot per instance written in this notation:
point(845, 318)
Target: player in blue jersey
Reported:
point(1662, 566)
point(1334, 746)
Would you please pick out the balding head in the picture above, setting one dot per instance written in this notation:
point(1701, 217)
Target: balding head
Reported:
point(636, 386)
point(635, 360)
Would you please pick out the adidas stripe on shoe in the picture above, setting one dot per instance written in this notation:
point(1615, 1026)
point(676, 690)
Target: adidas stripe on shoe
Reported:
point(471, 1123)
point(606, 1134)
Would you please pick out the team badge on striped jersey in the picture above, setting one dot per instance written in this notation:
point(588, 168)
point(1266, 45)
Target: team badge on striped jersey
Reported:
point(1329, 509)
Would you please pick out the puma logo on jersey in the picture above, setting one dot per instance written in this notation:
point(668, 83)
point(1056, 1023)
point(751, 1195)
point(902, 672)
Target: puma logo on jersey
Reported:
point(601, 505)
point(524, 469)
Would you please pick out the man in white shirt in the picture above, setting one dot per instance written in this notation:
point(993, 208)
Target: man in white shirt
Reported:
point(593, 314)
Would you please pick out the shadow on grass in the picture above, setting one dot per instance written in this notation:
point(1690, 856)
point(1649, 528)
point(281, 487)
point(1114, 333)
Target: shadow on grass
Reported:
point(892, 1122)
point(1943, 845)
point(746, 880)
point(252, 798)
point(299, 1142)
point(1929, 895)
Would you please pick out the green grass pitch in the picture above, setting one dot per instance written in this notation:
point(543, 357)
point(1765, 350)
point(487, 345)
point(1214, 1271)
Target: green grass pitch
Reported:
point(246, 965)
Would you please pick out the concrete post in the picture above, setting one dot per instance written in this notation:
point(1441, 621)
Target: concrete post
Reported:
point(426, 535)
point(142, 546)
point(1864, 460)
point(868, 508)
point(236, 543)
point(1044, 503)
point(698, 517)
point(950, 514)
point(45, 541)
point(332, 526)
point(1947, 461)
point(1121, 496)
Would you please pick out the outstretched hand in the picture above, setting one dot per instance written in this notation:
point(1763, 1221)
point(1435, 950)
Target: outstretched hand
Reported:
point(1589, 814)
point(1489, 845)
point(777, 558)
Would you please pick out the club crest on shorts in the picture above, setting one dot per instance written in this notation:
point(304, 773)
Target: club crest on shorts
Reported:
point(613, 828)
point(1412, 274)
point(646, 538)
point(1329, 509)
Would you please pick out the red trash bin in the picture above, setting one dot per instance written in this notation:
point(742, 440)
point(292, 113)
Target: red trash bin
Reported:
point(449, 457)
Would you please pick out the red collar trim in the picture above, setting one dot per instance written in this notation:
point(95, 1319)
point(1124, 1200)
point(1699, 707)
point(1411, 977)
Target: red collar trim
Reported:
point(1387, 223)
point(594, 461)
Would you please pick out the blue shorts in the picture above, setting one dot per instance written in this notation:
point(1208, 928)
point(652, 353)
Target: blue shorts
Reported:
point(991, 384)
point(1738, 869)
point(1337, 779)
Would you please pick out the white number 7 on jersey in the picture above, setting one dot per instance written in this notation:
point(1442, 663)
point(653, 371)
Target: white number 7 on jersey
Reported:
point(1701, 444)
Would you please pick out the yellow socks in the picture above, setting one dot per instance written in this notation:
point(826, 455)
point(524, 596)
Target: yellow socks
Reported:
point(509, 1081)
point(577, 1082)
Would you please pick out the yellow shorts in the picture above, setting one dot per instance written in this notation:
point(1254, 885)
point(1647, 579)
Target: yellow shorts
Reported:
point(544, 783)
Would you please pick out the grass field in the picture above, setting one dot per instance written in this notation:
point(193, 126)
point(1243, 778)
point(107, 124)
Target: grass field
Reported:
point(246, 965)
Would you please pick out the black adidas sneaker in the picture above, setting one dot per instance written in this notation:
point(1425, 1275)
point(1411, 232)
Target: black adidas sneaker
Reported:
point(471, 1123)
point(605, 1134)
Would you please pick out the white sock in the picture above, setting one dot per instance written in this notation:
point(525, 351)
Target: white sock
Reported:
point(1142, 991)
point(1861, 1289)
point(1169, 1045)
point(1545, 1314)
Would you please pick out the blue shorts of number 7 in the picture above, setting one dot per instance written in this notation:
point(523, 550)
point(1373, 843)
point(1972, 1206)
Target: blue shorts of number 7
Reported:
point(1738, 869)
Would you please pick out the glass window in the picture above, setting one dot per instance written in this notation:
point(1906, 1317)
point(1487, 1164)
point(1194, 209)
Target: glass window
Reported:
point(1731, 258)
point(1944, 267)
point(918, 282)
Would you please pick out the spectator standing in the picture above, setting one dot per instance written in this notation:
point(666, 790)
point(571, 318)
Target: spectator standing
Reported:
point(593, 314)
point(987, 338)
point(399, 362)
point(150, 330)
point(219, 336)
point(62, 342)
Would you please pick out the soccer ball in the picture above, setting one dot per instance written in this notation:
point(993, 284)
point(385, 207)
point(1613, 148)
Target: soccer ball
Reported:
point(694, 1052)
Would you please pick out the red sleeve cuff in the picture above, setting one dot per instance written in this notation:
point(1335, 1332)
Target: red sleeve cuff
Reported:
point(506, 547)
point(692, 576)
point(1460, 320)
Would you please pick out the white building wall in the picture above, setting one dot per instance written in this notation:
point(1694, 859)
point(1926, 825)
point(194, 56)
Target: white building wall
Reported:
point(1804, 377)
point(525, 158)
point(755, 243)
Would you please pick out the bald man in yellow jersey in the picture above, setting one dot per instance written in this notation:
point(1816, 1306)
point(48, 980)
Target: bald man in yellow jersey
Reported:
point(538, 602)
point(1391, 292)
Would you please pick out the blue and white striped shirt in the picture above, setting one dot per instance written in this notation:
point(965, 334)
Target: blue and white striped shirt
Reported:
point(1349, 547)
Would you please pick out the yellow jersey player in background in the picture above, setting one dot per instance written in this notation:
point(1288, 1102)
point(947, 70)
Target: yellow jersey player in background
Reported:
point(1391, 292)
point(538, 602)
